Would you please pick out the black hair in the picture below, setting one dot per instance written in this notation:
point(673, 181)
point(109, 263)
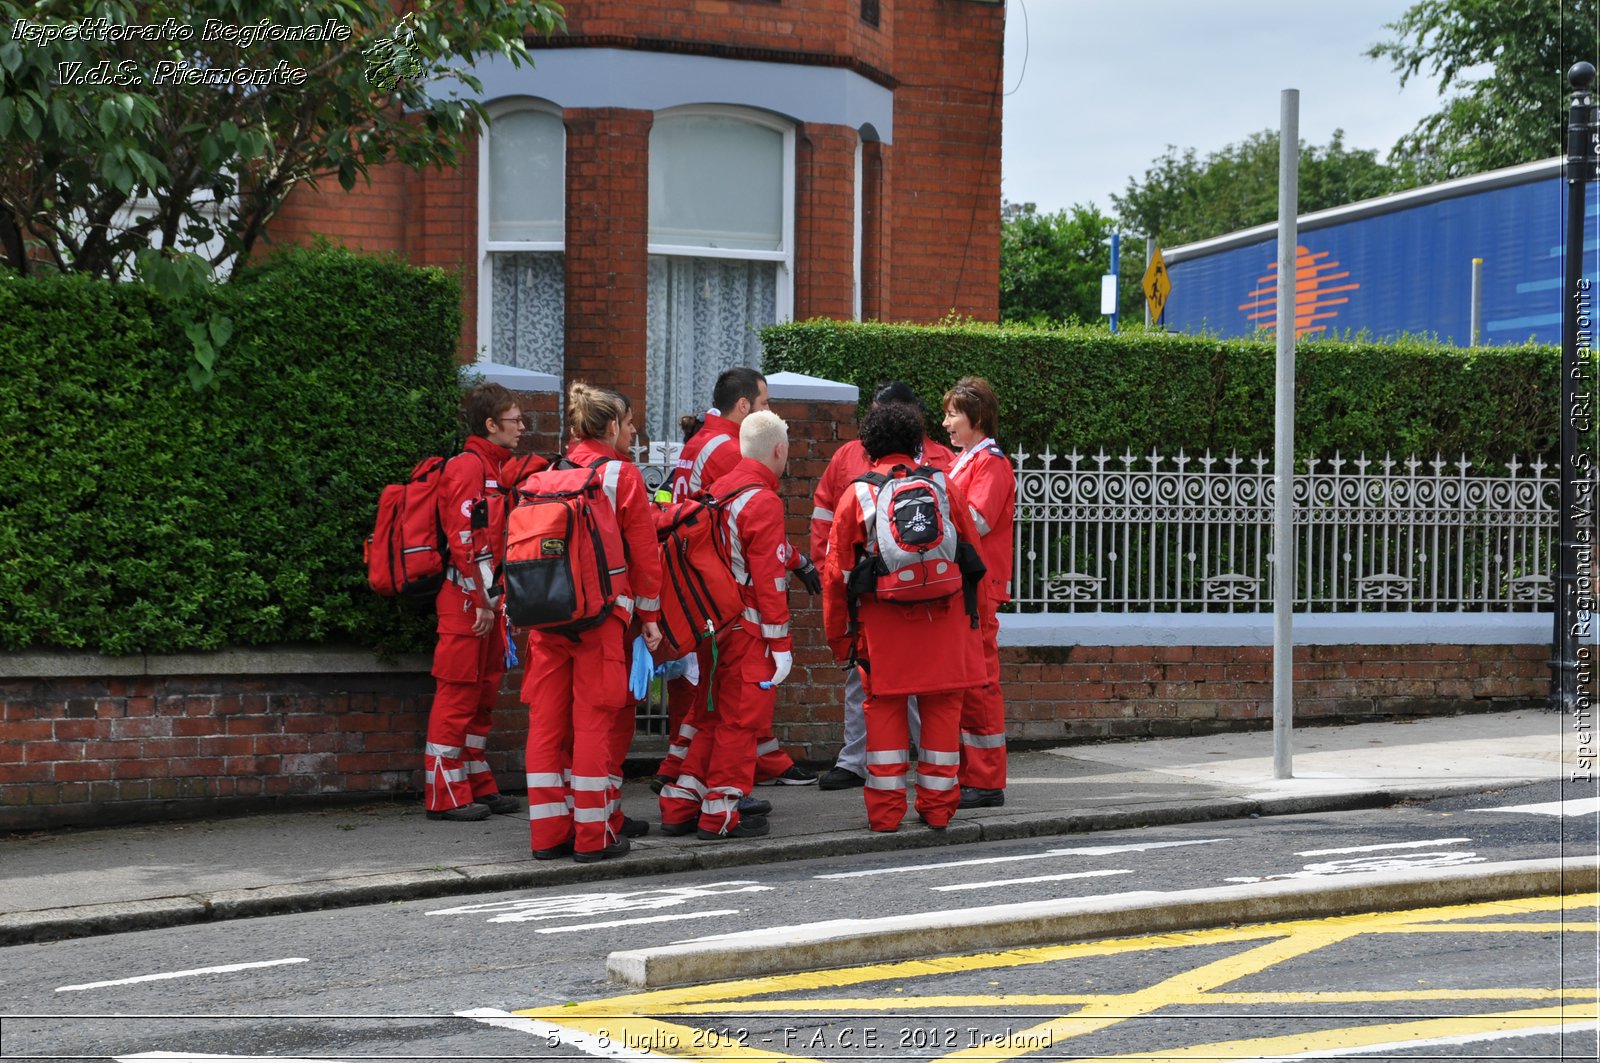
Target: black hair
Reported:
point(898, 391)
point(892, 428)
point(690, 424)
point(734, 384)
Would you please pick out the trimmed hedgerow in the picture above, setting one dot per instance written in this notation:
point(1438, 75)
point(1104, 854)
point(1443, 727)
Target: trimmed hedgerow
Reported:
point(1087, 389)
point(138, 515)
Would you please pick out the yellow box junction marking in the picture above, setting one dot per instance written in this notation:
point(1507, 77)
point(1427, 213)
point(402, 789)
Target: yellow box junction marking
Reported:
point(632, 1018)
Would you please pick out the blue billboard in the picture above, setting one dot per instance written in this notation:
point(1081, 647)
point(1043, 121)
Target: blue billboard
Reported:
point(1397, 265)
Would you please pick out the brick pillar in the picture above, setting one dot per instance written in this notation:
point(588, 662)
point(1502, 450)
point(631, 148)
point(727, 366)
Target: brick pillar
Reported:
point(608, 199)
point(443, 232)
point(825, 222)
point(809, 718)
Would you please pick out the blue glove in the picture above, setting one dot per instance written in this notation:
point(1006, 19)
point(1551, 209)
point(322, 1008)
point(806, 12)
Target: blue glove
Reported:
point(673, 669)
point(639, 674)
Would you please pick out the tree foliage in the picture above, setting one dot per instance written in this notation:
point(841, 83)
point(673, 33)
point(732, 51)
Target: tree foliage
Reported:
point(114, 141)
point(1184, 198)
point(1508, 60)
point(1051, 264)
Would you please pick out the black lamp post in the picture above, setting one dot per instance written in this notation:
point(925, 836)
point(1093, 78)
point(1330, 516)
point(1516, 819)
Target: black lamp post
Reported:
point(1578, 315)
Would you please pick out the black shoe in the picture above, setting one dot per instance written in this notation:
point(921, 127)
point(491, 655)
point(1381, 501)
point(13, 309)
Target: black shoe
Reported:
point(795, 776)
point(564, 849)
point(500, 804)
point(931, 826)
point(754, 827)
point(754, 806)
point(678, 830)
point(659, 781)
point(973, 797)
point(594, 856)
point(634, 828)
point(840, 779)
point(472, 813)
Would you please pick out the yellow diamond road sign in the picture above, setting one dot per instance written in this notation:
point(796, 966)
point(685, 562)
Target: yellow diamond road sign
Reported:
point(1157, 285)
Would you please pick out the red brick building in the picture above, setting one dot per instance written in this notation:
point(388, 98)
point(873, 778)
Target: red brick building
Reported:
point(671, 173)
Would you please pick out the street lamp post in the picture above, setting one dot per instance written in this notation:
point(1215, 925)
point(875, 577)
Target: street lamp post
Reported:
point(1577, 468)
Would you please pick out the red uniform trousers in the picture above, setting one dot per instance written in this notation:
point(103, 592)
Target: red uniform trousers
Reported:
point(577, 695)
point(983, 720)
point(686, 700)
point(720, 765)
point(467, 671)
point(888, 757)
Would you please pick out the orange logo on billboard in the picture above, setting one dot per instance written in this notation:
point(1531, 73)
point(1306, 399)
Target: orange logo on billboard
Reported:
point(1314, 294)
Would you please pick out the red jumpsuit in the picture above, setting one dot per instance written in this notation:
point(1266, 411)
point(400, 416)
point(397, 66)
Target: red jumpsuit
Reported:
point(577, 689)
point(720, 765)
point(466, 668)
point(706, 458)
point(928, 649)
point(985, 475)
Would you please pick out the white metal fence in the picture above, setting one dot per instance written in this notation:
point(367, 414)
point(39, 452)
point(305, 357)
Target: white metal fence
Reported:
point(1154, 534)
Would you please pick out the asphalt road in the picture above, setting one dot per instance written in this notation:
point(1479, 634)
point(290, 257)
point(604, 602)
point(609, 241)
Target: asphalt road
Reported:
point(391, 981)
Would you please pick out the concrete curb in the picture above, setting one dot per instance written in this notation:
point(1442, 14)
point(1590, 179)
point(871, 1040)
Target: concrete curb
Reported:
point(852, 942)
point(653, 858)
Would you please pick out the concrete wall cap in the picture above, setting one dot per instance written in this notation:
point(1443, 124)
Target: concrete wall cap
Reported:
point(510, 376)
point(799, 387)
point(1255, 629)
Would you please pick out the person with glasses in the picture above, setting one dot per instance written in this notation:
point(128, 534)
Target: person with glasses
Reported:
point(469, 659)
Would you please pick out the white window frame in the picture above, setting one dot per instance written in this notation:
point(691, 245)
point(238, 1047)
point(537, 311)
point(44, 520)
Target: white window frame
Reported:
point(856, 232)
point(485, 337)
point(784, 302)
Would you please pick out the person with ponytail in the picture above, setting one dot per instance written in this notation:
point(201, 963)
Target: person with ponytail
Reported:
point(576, 685)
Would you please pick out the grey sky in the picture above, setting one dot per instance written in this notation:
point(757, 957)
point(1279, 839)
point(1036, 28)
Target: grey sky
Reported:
point(1109, 84)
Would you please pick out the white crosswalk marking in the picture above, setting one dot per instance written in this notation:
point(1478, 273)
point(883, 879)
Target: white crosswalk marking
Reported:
point(225, 969)
point(528, 909)
point(1581, 806)
point(635, 922)
point(1026, 881)
point(1377, 848)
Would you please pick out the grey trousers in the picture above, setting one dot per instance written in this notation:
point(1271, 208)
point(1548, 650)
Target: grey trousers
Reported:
point(853, 757)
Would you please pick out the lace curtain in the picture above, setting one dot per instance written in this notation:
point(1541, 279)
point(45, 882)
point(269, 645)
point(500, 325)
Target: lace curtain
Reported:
point(528, 296)
point(704, 314)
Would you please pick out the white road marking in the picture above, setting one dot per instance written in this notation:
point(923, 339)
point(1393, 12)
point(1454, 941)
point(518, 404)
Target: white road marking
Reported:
point(1581, 806)
point(553, 1035)
point(1376, 848)
point(1385, 862)
point(572, 905)
point(179, 974)
point(1025, 881)
point(635, 922)
point(1459, 1039)
point(1093, 850)
point(190, 1057)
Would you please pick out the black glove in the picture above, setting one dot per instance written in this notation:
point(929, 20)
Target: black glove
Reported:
point(809, 576)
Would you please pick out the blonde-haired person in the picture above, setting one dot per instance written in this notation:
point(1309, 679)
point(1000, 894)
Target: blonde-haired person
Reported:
point(986, 477)
point(754, 656)
point(576, 687)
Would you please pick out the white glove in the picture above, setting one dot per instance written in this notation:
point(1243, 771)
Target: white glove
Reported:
point(691, 669)
point(782, 661)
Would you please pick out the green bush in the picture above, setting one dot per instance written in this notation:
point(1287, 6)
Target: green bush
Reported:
point(1086, 389)
point(138, 515)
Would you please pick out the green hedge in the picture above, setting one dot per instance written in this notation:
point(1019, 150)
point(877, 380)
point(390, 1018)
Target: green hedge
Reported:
point(140, 516)
point(1085, 388)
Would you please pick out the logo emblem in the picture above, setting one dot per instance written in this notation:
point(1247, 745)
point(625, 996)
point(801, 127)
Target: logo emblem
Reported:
point(552, 548)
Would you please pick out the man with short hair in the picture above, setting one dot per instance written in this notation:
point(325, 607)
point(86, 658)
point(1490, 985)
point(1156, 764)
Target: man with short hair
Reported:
point(755, 653)
point(708, 456)
point(847, 463)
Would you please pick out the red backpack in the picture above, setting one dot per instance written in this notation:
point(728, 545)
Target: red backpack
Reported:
point(699, 594)
point(912, 552)
point(405, 554)
point(564, 553)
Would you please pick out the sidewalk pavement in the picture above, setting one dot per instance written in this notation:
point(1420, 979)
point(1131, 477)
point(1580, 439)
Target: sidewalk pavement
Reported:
point(81, 882)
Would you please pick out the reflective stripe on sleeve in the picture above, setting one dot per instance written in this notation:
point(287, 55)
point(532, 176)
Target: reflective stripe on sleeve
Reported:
point(649, 605)
point(822, 514)
point(977, 519)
